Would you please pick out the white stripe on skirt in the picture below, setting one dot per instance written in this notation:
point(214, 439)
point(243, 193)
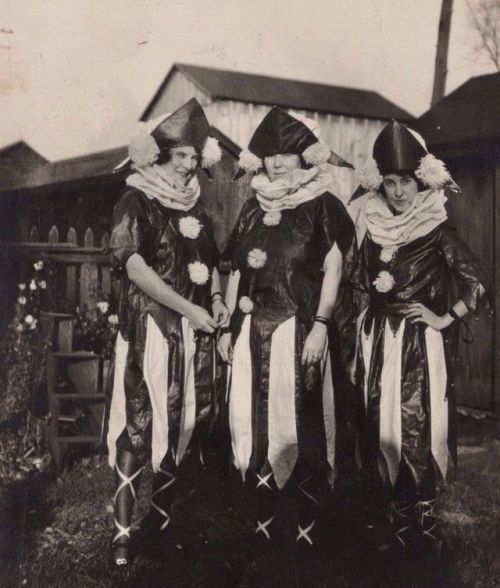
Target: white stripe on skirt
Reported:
point(283, 448)
point(240, 399)
point(156, 378)
point(438, 401)
point(188, 414)
point(117, 412)
point(329, 413)
point(390, 399)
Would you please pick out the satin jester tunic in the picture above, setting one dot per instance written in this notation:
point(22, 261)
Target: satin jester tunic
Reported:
point(164, 374)
point(283, 416)
point(404, 369)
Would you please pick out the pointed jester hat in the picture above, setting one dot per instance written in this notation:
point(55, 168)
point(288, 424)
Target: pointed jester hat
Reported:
point(283, 132)
point(188, 125)
point(398, 148)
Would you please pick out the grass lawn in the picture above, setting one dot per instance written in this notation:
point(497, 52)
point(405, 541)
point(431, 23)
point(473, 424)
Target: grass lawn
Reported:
point(67, 529)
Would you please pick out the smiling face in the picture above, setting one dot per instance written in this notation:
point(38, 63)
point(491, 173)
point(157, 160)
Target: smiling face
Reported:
point(182, 163)
point(400, 191)
point(281, 165)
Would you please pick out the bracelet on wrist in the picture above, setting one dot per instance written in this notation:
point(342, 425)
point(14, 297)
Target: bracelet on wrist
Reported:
point(322, 320)
point(216, 296)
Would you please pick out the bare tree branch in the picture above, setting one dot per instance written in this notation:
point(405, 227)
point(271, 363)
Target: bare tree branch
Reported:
point(484, 19)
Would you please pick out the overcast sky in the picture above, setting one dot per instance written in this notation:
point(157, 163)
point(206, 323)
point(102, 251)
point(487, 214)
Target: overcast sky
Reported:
point(76, 74)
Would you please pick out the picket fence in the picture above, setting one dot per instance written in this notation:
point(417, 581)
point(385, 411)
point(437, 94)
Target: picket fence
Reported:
point(82, 274)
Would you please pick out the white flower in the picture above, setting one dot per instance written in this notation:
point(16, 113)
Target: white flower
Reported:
point(245, 304)
point(369, 175)
point(43, 284)
point(384, 281)
point(22, 286)
point(32, 285)
point(248, 161)
point(143, 149)
point(38, 265)
point(20, 328)
point(28, 319)
point(22, 300)
point(272, 218)
point(190, 227)
point(317, 153)
point(257, 258)
point(211, 153)
point(33, 324)
point(103, 306)
point(198, 272)
point(387, 253)
point(113, 319)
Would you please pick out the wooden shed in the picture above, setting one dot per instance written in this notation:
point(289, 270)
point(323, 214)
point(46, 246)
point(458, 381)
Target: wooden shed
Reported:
point(236, 102)
point(464, 129)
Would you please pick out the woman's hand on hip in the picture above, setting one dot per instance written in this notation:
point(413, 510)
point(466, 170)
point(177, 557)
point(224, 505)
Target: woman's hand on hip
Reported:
point(200, 319)
point(315, 344)
point(225, 347)
point(221, 313)
point(418, 313)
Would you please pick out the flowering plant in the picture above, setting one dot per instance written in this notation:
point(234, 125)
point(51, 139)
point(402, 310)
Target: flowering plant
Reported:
point(22, 380)
point(96, 329)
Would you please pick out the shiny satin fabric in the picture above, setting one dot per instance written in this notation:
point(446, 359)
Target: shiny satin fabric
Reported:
point(143, 226)
point(289, 285)
point(436, 270)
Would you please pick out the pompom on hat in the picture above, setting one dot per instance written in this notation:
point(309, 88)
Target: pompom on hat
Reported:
point(283, 132)
point(398, 148)
point(188, 125)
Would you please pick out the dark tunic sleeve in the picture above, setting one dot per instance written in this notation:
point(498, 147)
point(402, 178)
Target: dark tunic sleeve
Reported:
point(466, 272)
point(131, 229)
point(211, 254)
point(360, 280)
point(228, 259)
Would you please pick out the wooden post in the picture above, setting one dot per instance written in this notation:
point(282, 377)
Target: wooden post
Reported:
point(441, 64)
point(105, 269)
point(496, 301)
point(53, 235)
point(88, 277)
point(71, 271)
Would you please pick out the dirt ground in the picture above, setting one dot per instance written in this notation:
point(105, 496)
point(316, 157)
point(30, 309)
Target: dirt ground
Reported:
point(58, 533)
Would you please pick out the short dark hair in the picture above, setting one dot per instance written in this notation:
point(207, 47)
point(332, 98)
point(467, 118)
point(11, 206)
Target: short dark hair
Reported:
point(403, 172)
point(165, 155)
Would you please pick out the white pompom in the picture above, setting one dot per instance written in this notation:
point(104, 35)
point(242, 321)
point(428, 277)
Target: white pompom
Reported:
point(198, 273)
point(433, 173)
point(143, 150)
point(317, 153)
point(249, 162)
point(190, 227)
point(384, 282)
point(369, 175)
point(245, 304)
point(211, 153)
point(257, 258)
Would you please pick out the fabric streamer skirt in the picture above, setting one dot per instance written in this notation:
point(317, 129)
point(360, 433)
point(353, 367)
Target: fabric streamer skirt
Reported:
point(177, 380)
point(278, 414)
point(406, 409)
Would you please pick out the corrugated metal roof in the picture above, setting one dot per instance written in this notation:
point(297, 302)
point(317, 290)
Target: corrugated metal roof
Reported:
point(243, 87)
point(470, 114)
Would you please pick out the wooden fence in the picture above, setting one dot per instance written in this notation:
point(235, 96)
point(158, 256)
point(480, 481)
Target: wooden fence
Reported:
point(82, 275)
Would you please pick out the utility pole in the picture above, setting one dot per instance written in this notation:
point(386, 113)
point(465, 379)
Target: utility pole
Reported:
point(441, 65)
